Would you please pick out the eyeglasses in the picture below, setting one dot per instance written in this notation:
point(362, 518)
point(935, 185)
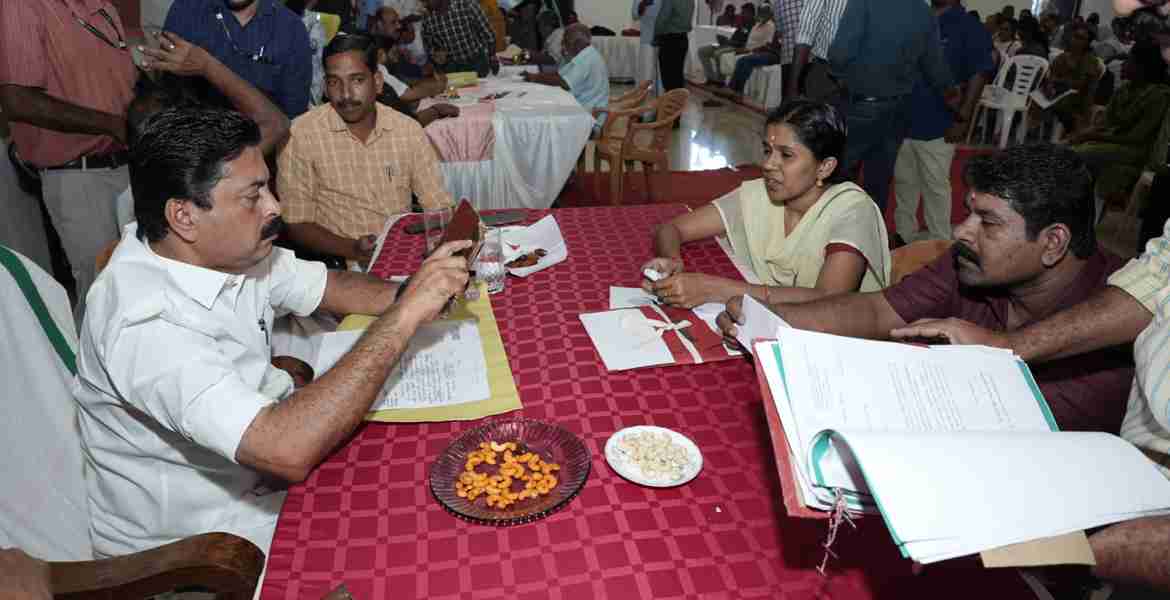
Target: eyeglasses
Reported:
point(254, 56)
point(119, 45)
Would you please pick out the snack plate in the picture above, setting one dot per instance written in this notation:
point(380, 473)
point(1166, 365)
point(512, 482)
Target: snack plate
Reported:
point(626, 468)
point(553, 443)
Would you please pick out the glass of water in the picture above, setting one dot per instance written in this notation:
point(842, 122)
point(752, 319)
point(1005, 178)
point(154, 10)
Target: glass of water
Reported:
point(489, 266)
point(435, 222)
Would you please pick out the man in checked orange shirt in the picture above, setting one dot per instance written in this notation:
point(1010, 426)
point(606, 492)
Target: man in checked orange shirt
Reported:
point(352, 163)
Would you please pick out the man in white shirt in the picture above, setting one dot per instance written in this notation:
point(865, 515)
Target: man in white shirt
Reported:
point(181, 414)
point(584, 74)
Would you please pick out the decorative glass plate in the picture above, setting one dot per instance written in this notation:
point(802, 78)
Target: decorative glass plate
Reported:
point(553, 443)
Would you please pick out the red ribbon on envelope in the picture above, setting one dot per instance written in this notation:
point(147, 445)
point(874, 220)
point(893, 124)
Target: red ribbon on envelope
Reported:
point(706, 341)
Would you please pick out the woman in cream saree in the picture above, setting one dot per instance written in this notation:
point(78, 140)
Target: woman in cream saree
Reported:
point(805, 231)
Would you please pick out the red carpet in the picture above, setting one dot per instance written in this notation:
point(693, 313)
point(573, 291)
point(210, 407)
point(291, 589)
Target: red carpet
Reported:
point(696, 188)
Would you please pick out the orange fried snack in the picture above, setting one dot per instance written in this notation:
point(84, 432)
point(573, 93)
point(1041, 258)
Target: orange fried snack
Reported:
point(516, 468)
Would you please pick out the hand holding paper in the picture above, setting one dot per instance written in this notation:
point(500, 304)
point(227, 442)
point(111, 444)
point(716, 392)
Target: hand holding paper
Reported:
point(757, 322)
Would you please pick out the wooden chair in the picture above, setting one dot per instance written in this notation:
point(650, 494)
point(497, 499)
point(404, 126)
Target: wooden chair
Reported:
point(43, 503)
point(647, 143)
point(617, 116)
point(914, 256)
point(103, 257)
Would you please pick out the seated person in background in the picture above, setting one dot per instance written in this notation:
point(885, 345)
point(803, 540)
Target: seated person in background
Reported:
point(806, 231)
point(391, 32)
point(1026, 251)
point(553, 35)
point(584, 74)
point(175, 353)
point(352, 163)
point(768, 54)
point(760, 36)
point(747, 16)
point(1077, 68)
point(1118, 151)
point(1005, 41)
point(1033, 42)
point(727, 17)
point(1110, 46)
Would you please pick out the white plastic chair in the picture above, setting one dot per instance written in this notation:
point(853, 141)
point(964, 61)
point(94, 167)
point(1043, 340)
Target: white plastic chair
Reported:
point(1029, 72)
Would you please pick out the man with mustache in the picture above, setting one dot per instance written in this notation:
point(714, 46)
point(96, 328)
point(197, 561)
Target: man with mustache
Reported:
point(352, 163)
point(181, 414)
point(262, 41)
point(1026, 251)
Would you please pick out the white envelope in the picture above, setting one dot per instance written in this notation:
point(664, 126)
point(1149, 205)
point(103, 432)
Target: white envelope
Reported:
point(545, 233)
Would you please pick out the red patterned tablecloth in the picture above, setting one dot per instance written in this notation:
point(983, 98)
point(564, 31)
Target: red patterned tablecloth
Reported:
point(366, 517)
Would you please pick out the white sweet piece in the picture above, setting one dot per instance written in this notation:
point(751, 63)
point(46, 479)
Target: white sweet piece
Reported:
point(652, 274)
point(656, 455)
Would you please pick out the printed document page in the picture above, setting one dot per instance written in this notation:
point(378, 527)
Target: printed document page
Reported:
point(443, 365)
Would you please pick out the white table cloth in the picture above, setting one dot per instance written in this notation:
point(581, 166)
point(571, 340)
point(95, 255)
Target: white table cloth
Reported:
point(620, 54)
point(766, 87)
point(702, 35)
point(540, 131)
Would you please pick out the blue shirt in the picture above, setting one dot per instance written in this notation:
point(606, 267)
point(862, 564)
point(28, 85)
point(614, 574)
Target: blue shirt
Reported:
point(272, 52)
point(588, 78)
point(366, 9)
point(646, 21)
point(967, 48)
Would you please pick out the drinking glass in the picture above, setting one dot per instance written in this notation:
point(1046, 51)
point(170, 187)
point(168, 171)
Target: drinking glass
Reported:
point(489, 267)
point(435, 225)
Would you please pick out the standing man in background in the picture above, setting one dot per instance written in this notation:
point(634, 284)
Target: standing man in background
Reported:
point(672, 28)
point(815, 30)
point(924, 160)
point(262, 41)
point(66, 78)
point(645, 12)
point(787, 16)
point(882, 48)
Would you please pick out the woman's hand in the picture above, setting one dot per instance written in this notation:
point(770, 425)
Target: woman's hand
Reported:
point(664, 266)
point(688, 290)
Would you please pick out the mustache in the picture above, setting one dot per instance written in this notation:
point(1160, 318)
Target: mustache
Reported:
point(348, 104)
point(961, 250)
point(273, 228)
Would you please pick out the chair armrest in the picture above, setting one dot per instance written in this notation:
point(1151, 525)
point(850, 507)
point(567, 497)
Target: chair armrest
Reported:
point(221, 562)
point(615, 115)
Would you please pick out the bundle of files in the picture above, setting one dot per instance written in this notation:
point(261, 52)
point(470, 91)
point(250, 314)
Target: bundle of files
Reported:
point(955, 446)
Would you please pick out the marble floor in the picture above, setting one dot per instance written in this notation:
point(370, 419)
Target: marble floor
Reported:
point(708, 138)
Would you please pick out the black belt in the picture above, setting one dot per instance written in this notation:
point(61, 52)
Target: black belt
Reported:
point(113, 160)
point(864, 98)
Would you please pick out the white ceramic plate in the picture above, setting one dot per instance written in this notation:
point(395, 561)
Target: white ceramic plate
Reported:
point(631, 471)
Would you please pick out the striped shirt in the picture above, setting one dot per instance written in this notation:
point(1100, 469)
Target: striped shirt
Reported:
point(1147, 418)
point(329, 177)
point(818, 25)
point(787, 14)
point(43, 46)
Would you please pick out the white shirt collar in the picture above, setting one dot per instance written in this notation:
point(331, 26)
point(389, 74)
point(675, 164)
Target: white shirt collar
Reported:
point(200, 284)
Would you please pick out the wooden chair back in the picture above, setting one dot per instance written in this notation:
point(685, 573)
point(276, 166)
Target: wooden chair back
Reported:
point(914, 256)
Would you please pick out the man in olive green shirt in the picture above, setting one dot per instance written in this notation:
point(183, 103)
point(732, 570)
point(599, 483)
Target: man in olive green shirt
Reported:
point(671, 35)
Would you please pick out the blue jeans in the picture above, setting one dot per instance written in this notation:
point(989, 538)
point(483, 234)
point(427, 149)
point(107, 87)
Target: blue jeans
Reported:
point(876, 130)
point(746, 64)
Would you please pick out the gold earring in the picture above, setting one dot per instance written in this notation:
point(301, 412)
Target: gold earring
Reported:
point(820, 183)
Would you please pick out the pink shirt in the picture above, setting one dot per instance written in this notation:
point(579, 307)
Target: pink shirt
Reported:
point(43, 46)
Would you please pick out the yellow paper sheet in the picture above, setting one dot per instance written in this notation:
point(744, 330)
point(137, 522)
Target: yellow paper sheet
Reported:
point(504, 395)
